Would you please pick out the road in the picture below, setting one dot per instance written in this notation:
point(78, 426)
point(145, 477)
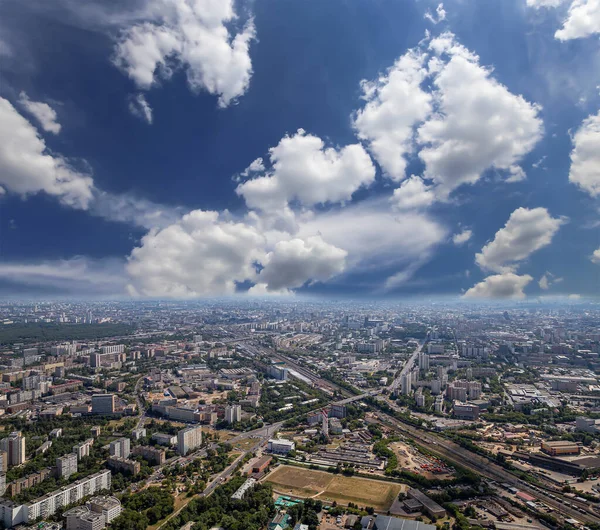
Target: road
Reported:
point(462, 457)
point(393, 387)
point(217, 481)
point(140, 406)
point(457, 455)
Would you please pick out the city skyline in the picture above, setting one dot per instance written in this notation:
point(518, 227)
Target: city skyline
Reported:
point(171, 149)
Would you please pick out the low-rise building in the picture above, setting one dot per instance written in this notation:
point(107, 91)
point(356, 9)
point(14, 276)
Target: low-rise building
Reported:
point(280, 446)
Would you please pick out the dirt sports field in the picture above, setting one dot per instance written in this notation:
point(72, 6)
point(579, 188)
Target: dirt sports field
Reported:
point(301, 482)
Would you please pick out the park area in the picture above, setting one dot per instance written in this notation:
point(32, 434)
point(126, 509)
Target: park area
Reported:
point(328, 487)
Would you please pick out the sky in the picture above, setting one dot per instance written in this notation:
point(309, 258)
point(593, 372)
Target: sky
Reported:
point(360, 148)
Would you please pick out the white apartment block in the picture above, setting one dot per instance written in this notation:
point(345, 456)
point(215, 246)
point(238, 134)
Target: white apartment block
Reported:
point(13, 514)
point(66, 465)
point(233, 414)
point(113, 348)
point(189, 439)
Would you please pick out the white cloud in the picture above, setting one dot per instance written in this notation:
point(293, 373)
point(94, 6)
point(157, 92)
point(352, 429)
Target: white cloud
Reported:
point(505, 285)
point(192, 34)
point(583, 20)
point(544, 3)
point(304, 170)
point(478, 124)
point(139, 107)
point(525, 232)
point(127, 208)
point(206, 254)
point(574, 297)
point(42, 112)
point(462, 237)
point(596, 256)
point(395, 103)
point(292, 263)
point(585, 157)
point(376, 238)
point(256, 166)
point(413, 194)
point(199, 255)
point(465, 124)
point(440, 14)
point(77, 275)
point(27, 167)
point(548, 280)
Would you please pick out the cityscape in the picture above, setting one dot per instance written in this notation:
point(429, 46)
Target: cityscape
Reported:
point(299, 264)
point(299, 414)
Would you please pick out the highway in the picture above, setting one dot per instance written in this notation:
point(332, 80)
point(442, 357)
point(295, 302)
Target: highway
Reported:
point(457, 455)
point(393, 387)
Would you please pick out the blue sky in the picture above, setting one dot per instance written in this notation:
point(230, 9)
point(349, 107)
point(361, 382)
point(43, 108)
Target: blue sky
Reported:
point(376, 148)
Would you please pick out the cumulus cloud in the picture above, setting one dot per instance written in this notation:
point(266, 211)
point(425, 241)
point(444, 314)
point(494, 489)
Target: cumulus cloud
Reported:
point(583, 20)
point(42, 112)
point(439, 16)
point(526, 231)
point(303, 169)
point(199, 255)
point(193, 35)
point(466, 124)
point(256, 166)
point(505, 285)
point(462, 237)
point(205, 253)
point(478, 124)
point(139, 107)
point(596, 256)
point(585, 157)
point(413, 194)
point(395, 103)
point(27, 167)
point(292, 263)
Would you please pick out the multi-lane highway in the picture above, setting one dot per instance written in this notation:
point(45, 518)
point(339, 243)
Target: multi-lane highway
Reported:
point(455, 454)
point(393, 387)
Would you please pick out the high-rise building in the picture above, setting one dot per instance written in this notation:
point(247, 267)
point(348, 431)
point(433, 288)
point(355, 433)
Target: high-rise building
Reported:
point(103, 404)
point(3, 461)
point(423, 361)
point(189, 439)
point(120, 447)
point(406, 383)
point(83, 449)
point(233, 413)
point(95, 360)
point(14, 446)
point(66, 465)
point(325, 425)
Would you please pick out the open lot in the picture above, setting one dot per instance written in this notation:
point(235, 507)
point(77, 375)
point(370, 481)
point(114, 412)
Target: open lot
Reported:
point(411, 459)
point(303, 482)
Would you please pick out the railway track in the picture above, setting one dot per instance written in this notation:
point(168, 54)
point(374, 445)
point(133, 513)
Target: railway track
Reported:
point(455, 454)
point(480, 465)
